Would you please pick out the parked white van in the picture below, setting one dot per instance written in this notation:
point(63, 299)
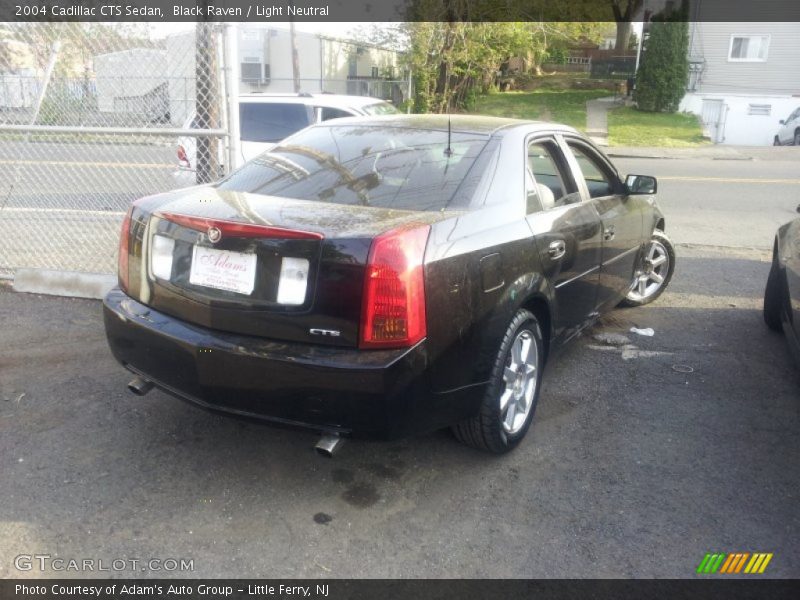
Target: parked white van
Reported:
point(265, 119)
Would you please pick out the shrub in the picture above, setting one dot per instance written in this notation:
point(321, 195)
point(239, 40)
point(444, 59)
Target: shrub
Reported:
point(663, 72)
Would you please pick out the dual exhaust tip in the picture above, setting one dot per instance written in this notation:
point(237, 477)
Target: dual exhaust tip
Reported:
point(327, 445)
point(140, 386)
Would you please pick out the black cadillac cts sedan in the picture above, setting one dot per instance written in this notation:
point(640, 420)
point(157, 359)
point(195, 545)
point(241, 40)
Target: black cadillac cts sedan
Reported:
point(385, 276)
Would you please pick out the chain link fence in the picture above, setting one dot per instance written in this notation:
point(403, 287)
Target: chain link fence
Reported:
point(91, 115)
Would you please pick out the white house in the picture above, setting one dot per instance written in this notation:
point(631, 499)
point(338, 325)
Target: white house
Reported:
point(264, 61)
point(161, 82)
point(744, 78)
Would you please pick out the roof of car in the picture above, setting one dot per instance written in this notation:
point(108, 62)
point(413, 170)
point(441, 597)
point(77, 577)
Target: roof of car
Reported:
point(329, 100)
point(460, 123)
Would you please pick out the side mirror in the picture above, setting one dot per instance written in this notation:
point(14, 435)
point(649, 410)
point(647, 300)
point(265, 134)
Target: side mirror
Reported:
point(641, 184)
point(782, 122)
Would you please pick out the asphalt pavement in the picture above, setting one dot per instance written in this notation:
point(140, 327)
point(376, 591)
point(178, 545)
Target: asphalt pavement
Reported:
point(646, 452)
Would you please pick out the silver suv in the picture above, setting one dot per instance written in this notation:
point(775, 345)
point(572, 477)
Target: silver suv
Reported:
point(789, 133)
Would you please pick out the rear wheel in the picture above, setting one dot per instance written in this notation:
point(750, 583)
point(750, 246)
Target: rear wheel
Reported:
point(507, 408)
point(655, 273)
point(773, 295)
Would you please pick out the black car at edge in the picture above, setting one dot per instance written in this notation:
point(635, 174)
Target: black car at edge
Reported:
point(782, 294)
point(385, 276)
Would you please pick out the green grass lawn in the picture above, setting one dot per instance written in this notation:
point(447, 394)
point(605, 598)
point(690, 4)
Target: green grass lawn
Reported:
point(626, 126)
point(561, 106)
point(630, 127)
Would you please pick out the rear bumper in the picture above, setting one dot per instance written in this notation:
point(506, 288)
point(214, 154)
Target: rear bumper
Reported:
point(381, 394)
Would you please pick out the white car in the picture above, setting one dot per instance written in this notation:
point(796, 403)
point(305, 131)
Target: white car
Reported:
point(265, 119)
point(789, 133)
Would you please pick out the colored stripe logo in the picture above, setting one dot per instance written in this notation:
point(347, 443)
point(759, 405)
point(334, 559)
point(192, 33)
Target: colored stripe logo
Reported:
point(734, 563)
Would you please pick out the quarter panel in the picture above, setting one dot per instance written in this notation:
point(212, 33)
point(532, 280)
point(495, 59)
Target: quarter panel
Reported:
point(466, 319)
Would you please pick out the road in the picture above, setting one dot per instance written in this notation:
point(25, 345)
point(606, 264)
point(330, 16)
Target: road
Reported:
point(724, 202)
point(642, 458)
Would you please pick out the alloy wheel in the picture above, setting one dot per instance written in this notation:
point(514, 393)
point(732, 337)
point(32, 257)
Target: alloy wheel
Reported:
point(521, 378)
point(651, 277)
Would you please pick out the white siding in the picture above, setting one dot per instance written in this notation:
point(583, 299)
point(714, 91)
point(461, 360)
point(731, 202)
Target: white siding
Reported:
point(779, 74)
point(739, 127)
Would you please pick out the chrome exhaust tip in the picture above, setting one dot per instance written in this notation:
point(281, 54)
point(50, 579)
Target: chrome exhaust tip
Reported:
point(329, 444)
point(140, 386)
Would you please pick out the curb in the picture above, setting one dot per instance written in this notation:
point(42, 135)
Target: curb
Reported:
point(72, 284)
point(666, 157)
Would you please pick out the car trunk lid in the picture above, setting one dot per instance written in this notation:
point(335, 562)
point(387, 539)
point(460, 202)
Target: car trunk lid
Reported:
point(262, 265)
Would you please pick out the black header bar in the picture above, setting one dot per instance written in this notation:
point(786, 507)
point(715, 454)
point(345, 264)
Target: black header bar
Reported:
point(386, 10)
point(407, 589)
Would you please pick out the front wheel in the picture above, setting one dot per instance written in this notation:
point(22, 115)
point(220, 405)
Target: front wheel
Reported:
point(507, 408)
point(797, 138)
point(776, 141)
point(655, 273)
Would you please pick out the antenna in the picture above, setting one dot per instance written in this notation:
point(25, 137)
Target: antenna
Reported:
point(448, 152)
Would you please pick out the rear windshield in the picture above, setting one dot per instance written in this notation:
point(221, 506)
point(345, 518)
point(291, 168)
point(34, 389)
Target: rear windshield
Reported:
point(380, 108)
point(386, 167)
point(270, 122)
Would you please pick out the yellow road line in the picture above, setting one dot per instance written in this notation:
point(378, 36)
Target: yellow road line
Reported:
point(727, 179)
point(68, 163)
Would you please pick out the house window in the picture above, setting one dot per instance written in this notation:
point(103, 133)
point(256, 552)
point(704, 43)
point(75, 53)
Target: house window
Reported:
point(749, 48)
point(374, 72)
point(759, 109)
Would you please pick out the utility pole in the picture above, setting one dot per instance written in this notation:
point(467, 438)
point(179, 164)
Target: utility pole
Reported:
point(295, 58)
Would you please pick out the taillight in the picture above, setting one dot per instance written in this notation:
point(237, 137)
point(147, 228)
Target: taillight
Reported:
point(122, 262)
point(182, 158)
point(393, 310)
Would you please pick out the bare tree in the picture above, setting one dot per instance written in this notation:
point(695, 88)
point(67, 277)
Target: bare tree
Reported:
point(624, 12)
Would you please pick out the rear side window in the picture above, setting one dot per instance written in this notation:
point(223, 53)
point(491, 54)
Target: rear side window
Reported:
point(334, 113)
point(386, 167)
point(547, 186)
point(271, 122)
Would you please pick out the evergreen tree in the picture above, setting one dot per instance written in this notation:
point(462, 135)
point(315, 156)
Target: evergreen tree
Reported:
point(664, 68)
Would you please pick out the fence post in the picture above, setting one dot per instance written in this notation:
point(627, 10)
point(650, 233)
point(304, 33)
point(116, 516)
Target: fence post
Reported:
point(206, 100)
point(48, 73)
point(231, 59)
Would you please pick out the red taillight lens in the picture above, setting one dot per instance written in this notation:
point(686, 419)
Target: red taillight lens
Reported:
point(122, 261)
point(237, 229)
point(393, 310)
point(182, 158)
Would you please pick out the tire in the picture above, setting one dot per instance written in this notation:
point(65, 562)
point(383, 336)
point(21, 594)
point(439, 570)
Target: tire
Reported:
point(797, 138)
point(773, 295)
point(514, 386)
point(776, 141)
point(658, 262)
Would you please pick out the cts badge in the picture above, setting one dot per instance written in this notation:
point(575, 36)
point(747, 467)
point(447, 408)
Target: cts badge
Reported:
point(325, 332)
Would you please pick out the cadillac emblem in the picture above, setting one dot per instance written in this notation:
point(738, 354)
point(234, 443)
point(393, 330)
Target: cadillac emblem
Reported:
point(214, 235)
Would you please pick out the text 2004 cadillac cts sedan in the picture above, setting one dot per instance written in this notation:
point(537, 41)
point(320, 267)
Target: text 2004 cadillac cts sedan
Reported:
point(385, 276)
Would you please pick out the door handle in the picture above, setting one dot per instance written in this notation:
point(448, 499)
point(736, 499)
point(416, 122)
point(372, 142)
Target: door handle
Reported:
point(557, 249)
point(608, 234)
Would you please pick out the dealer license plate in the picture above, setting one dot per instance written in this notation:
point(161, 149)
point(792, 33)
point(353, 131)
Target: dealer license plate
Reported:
point(223, 270)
